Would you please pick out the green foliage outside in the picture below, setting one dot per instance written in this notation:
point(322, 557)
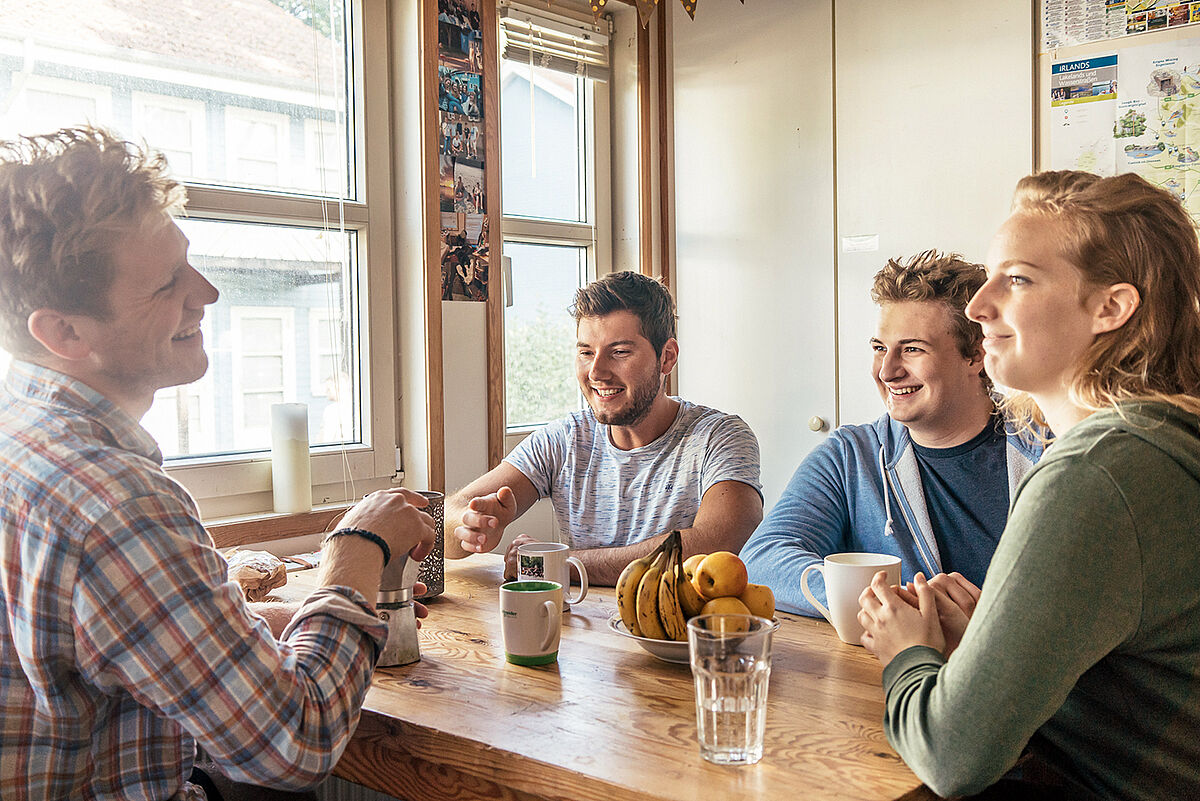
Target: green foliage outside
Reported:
point(539, 367)
point(323, 15)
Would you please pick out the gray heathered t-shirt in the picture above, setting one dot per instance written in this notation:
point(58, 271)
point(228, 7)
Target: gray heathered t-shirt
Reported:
point(604, 496)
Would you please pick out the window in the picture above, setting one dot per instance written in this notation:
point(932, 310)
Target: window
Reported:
point(272, 142)
point(175, 127)
point(256, 147)
point(553, 109)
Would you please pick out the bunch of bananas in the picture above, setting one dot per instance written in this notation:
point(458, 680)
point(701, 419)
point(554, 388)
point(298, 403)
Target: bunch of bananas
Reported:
point(655, 597)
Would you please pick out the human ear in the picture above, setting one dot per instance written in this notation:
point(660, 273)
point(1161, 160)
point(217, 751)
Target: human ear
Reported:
point(57, 333)
point(1114, 305)
point(670, 356)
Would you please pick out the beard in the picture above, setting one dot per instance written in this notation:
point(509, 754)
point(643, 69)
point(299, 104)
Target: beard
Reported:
point(641, 398)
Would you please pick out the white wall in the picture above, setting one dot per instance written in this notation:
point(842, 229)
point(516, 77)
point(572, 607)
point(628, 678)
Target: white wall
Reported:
point(754, 172)
point(932, 128)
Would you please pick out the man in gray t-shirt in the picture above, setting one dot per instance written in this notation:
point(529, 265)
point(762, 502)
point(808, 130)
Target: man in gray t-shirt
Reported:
point(633, 466)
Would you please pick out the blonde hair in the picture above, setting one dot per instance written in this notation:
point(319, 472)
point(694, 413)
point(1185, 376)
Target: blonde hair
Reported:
point(1125, 230)
point(66, 199)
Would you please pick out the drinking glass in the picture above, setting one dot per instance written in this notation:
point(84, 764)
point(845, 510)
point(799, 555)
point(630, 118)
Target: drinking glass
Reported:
point(731, 666)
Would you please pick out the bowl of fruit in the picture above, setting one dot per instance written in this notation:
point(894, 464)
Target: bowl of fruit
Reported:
point(658, 593)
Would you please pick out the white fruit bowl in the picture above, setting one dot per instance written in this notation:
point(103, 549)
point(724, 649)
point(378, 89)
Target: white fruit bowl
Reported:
point(666, 650)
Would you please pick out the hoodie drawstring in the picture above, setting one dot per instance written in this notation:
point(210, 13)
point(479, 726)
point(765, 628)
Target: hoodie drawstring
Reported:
point(887, 494)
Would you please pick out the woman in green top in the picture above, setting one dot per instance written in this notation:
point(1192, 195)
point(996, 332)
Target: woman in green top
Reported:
point(1084, 646)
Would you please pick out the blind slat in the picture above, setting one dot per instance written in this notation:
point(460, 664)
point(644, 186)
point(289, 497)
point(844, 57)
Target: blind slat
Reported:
point(554, 43)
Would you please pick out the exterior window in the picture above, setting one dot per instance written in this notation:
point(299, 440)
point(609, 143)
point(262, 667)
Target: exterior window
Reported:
point(551, 113)
point(174, 126)
point(256, 147)
point(272, 143)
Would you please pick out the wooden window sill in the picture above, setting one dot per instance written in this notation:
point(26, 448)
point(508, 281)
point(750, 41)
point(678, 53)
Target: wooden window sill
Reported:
point(265, 528)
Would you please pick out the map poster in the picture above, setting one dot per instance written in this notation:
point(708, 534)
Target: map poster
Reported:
point(1083, 80)
point(1083, 100)
point(1157, 130)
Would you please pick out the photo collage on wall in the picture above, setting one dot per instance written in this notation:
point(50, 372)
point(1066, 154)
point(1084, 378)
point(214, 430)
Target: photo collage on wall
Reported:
point(461, 196)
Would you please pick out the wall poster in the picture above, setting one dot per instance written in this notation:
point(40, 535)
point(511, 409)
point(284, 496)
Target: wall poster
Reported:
point(461, 115)
point(1134, 110)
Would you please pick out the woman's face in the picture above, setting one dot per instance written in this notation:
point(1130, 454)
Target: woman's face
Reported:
point(1036, 315)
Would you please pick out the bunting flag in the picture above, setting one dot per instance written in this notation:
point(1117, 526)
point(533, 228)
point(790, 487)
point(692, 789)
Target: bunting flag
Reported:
point(598, 6)
point(690, 7)
point(645, 10)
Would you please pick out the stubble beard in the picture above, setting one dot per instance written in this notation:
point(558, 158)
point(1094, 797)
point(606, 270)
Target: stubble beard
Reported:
point(641, 400)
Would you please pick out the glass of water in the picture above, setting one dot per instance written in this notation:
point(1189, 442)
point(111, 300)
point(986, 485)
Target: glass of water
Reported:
point(731, 665)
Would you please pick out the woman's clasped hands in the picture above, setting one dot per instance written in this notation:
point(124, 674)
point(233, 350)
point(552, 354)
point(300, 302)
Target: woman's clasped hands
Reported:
point(932, 612)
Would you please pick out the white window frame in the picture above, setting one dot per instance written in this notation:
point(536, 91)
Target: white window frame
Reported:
point(102, 96)
point(240, 484)
point(319, 322)
point(313, 131)
point(595, 233)
point(196, 112)
point(283, 147)
point(286, 316)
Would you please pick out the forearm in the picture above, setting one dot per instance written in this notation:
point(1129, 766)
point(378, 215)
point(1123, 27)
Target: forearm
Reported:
point(277, 614)
point(778, 562)
point(604, 565)
point(354, 562)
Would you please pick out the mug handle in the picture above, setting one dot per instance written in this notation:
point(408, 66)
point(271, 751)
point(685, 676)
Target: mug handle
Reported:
point(552, 618)
point(808, 593)
point(583, 579)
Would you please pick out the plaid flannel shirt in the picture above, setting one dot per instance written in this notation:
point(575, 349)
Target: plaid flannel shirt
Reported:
point(122, 641)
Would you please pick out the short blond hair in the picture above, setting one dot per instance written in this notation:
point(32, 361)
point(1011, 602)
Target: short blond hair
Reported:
point(66, 200)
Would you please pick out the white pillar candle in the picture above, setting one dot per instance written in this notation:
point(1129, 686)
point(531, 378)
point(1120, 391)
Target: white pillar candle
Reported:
point(291, 472)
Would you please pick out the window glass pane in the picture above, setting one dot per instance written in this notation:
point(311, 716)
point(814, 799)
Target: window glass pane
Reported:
point(539, 333)
point(276, 283)
point(223, 111)
point(542, 152)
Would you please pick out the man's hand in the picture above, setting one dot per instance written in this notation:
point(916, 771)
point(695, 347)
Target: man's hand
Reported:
point(485, 519)
point(397, 515)
point(891, 624)
point(511, 568)
point(393, 514)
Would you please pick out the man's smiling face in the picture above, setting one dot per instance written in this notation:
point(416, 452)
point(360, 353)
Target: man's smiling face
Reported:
point(921, 374)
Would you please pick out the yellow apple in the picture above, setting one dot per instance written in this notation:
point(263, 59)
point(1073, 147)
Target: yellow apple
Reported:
point(728, 605)
point(691, 563)
point(759, 599)
point(720, 574)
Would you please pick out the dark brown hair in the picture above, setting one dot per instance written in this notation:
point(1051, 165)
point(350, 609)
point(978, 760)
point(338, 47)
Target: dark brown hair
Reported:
point(628, 291)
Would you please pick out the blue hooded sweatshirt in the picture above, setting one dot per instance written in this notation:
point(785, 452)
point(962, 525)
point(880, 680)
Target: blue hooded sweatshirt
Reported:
point(858, 491)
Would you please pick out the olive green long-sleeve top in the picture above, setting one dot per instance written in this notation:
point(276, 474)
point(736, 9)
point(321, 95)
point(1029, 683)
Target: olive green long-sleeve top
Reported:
point(1086, 640)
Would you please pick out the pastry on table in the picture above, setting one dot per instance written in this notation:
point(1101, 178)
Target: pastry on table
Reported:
point(257, 572)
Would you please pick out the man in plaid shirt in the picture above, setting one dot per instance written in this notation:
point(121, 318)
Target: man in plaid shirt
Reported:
point(123, 644)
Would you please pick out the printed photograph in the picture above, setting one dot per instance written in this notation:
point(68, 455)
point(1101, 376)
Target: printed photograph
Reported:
point(460, 92)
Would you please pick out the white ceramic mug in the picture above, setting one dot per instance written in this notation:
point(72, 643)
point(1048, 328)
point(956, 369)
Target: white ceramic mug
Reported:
point(846, 576)
point(552, 561)
point(530, 621)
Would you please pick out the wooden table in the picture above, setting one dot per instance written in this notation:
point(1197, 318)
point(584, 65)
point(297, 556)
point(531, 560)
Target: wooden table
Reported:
point(608, 721)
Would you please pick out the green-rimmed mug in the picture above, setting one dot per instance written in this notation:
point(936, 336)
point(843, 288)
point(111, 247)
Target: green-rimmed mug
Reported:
point(531, 621)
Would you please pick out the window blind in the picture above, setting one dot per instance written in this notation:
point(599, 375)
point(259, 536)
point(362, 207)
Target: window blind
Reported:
point(553, 41)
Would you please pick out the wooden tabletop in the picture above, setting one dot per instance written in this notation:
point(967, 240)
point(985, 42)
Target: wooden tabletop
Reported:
point(608, 721)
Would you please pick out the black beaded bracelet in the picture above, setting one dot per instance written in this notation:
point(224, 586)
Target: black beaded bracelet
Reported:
point(366, 535)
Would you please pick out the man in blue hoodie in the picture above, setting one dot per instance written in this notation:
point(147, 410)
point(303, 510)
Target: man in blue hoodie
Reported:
point(930, 480)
